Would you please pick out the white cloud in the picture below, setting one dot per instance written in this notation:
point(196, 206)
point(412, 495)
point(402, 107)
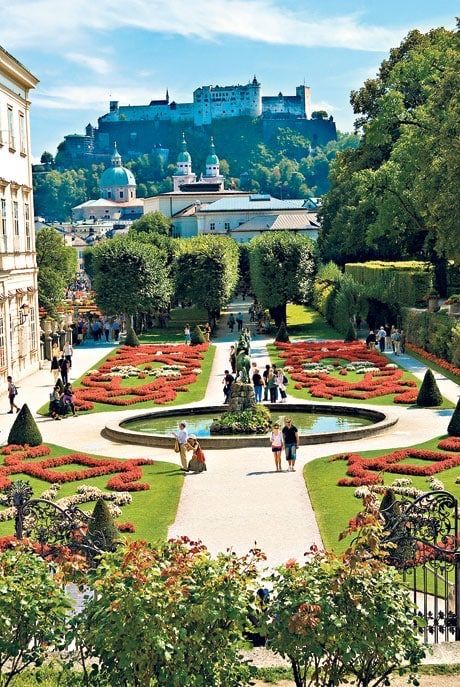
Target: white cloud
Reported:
point(96, 64)
point(41, 23)
point(92, 97)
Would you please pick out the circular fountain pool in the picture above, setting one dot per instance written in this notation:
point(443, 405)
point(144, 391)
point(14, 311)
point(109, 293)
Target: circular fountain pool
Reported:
point(317, 423)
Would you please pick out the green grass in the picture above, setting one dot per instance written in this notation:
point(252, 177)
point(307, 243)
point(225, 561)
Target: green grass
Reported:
point(433, 366)
point(151, 512)
point(174, 332)
point(334, 506)
point(195, 392)
point(304, 321)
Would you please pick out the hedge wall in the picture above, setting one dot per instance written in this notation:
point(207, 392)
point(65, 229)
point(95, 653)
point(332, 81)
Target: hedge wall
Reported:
point(437, 333)
point(402, 283)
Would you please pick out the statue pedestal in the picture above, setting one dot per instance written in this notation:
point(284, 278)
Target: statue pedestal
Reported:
point(241, 397)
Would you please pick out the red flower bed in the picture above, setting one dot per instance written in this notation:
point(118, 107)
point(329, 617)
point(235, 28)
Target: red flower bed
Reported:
point(366, 471)
point(101, 388)
point(126, 473)
point(126, 527)
point(323, 385)
point(450, 367)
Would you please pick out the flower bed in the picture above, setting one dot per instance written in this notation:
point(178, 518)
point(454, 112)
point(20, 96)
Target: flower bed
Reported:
point(367, 471)
point(126, 473)
point(440, 362)
point(179, 368)
point(308, 369)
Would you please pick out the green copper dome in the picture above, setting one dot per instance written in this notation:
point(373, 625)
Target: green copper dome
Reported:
point(117, 176)
point(184, 155)
point(212, 158)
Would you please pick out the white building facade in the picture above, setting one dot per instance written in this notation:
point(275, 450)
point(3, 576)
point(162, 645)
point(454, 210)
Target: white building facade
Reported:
point(19, 324)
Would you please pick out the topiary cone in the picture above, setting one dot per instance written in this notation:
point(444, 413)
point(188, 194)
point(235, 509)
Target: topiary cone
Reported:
point(282, 334)
point(429, 394)
point(24, 429)
point(454, 425)
point(197, 335)
point(102, 527)
point(351, 334)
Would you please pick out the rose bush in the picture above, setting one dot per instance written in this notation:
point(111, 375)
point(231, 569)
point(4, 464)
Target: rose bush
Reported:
point(180, 366)
point(308, 368)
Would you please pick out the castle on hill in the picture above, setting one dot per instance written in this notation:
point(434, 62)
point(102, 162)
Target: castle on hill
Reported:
point(141, 128)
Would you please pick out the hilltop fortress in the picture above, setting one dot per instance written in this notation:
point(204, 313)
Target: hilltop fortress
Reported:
point(142, 128)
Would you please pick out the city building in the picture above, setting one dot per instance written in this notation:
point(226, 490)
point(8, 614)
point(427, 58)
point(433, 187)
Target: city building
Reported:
point(118, 196)
point(244, 218)
point(189, 192)
point(142, 128)
point(19, 326)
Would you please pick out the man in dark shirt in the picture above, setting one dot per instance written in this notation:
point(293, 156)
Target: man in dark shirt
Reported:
point(258, 385)
point(265, 374)
point(291, 442)
point(227, 382)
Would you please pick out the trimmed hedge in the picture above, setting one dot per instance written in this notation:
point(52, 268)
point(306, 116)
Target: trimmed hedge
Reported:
point(429, 395)
point(453, 428)
point(436, 333)
point(24, 429)
point(403, 283)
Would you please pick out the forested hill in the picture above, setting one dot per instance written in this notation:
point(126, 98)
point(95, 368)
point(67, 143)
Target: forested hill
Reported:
point(288, 166)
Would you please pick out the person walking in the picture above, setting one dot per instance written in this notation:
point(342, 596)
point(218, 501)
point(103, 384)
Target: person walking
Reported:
point(258, 384)
point(281, 381)
point(402, 341)
point(231, 322)
point(55, 355)
point(396, 341)
point(68, 353)
point(276, 441)
point(187, 335)
point(64, 369)
point(207, 332)
point(265, 375)
point(197, 462)
point(107, 328)
point(381, 337)
point(370, 340)
point(116, 329)
point(232, 359)
point(227, 382)
point(12, 393)
point(291, 442)
point(181, 436)
point(272, 385)
point(239, 321)
point(387, 329)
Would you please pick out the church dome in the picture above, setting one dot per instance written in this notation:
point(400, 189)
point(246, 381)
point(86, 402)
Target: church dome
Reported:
point(212, 158)
point(184, 156)
point(117, 176)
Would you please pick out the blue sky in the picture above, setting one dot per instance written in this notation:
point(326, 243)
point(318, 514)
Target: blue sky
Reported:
point(86, 52)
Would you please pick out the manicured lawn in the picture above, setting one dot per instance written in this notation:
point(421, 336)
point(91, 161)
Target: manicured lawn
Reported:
point(433, 366)
point(174, 332)
point(196, 391)
point(304, 322)
point(151, 511)
point(334, 506)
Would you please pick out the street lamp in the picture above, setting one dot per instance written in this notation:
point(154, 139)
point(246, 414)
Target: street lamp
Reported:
point(23, 313)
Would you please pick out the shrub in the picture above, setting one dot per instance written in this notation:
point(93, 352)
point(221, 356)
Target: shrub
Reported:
point(251, 421)
point(429, 394)
point(282, 334)
point(453, 428)
point(169, 615)
point(131, 338)
point(405, 283)
point(102, 527)
point(33, 611)
point(197, 335)
point(24, 429)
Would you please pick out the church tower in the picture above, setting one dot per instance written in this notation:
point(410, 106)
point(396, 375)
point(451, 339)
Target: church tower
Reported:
point(183, 174)
point(212, 172)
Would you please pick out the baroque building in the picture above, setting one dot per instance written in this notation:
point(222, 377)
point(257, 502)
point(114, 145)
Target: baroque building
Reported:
point(19, 327)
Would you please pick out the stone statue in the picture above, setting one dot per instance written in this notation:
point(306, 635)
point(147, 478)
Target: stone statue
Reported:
point(243, 365)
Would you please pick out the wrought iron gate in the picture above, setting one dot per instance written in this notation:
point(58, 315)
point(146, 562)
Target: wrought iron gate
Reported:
point(426, 549)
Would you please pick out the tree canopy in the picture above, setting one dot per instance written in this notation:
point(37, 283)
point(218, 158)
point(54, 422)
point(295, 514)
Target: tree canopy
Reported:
point(130, 277)
point(282, 269)
point(151, 223)
point(57, 265)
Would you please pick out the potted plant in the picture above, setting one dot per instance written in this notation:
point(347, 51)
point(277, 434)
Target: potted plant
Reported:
point(433, 301)
point(454, 304)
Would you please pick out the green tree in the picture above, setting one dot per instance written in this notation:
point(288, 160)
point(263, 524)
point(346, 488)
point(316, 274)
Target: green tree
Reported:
point(168, 615)
point(130, 278)
point(282, 270)
point(319, 114)
point(47, 158)
point(152, 223)
point(207, 272)
point(57, 265)
point(33, 609)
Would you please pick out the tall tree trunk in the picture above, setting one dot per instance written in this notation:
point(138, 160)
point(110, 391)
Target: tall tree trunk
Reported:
point(279, 314)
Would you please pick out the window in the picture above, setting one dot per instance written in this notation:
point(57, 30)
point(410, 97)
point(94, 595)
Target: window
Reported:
point(109, 193)
point(33, 330)
point(22, 134)
point(16, 217)
point(3, 217)
point(227, 226)
point(212, 226)
point(122, 194)
point(2, 339)
point(27, 226)
point(11, 141)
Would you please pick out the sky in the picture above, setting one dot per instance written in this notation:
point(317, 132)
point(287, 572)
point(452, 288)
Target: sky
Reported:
point(87, 52)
